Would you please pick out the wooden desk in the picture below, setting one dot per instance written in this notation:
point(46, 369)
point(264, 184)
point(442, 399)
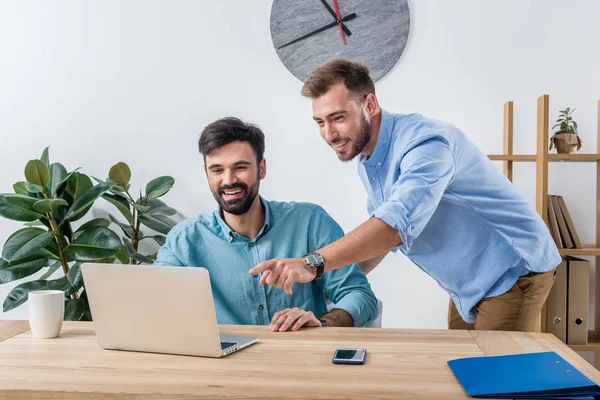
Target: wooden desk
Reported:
point(401, 364)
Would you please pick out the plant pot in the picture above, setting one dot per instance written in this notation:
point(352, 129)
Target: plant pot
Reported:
point(565, 143)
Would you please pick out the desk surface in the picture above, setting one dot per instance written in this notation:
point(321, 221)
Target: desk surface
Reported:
point(401, 364)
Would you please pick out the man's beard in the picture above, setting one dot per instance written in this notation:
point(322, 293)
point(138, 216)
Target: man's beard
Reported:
point(240, 205)
point(361, 141)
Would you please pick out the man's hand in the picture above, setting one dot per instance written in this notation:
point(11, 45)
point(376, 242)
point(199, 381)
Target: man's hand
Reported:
point(284, 272)
point(294, 319)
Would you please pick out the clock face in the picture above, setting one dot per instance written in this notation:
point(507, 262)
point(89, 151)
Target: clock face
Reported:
point(306, 33)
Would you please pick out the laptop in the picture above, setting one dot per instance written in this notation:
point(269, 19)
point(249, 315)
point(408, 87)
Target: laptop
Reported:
point(156, 309)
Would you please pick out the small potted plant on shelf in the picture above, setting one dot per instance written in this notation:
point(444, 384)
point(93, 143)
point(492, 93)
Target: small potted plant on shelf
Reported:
point(566, 140)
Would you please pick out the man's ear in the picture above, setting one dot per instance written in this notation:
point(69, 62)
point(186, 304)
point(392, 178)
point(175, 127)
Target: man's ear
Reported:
point(263, 168)
point(371, 104)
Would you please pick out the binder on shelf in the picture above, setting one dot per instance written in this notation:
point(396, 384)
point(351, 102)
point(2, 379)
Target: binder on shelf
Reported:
point(522, 376)
point(562, 225)
point(569, 221)
point(556, 304)
point(553, 224)
point(577, 300)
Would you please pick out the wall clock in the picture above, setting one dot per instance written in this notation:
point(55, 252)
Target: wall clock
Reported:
point(308, 33)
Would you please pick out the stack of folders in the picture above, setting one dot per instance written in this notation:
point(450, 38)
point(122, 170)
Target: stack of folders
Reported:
point(561, 224)
point(523, 376)
point(567, 304)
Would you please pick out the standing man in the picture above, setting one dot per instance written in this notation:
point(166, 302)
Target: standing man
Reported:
point(435, 197)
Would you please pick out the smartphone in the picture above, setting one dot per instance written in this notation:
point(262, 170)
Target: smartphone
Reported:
point(350, 356)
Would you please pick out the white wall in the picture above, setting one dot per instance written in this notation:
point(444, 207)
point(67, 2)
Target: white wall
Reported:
point(136, 81)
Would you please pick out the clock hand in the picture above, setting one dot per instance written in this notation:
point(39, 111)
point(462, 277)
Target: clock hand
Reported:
point(331, 25)
point(344, 27)
point(338, 19)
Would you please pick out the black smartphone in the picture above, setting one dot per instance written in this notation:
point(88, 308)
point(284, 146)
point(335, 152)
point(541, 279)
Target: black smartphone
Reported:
point(350, 356)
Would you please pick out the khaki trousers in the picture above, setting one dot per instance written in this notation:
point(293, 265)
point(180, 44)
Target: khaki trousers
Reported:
point(515, 310)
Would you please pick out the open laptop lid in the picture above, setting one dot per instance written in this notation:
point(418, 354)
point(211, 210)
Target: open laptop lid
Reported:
point(153, 309)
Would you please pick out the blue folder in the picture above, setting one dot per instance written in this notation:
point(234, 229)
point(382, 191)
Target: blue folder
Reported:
point(523, 376)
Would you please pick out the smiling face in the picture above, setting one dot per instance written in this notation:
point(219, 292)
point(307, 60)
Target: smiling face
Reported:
point(344, 122)
point(234, 176)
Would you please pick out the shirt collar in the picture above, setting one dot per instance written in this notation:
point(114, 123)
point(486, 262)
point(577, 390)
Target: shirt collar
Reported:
point(383, 141)
point(230, 234)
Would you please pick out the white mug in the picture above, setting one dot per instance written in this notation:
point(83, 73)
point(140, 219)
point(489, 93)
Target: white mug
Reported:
point(46, 313)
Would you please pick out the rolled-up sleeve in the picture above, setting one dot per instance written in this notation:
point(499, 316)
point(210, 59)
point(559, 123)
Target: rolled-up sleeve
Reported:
point(426, 170)
point(348, 288)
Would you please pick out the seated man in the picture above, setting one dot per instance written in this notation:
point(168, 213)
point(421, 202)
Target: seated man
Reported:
point(247, 229)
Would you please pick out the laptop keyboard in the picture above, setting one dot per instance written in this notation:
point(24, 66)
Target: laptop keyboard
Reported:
point(225, 345)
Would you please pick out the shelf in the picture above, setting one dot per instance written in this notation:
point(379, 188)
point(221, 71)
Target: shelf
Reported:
point(587, 250)
point(593, 343)
point(551, 157)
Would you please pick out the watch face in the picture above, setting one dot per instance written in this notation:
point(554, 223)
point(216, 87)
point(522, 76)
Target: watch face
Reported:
point(315, 259)
point(306, 33)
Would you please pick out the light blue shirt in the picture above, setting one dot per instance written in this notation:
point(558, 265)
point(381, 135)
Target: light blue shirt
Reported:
point(290, 230)
point(460, 219)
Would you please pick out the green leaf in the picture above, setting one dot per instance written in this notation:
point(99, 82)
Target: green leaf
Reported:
point(19, 208)
point(20, 188)
point(27, 242)
point(47, 205)
point(156, 206)
point(124, 227)
point(121, 203)
point(134, 254)
point(33, 224)
point(107, 260)
point(18, 295)
point(66, 230)
point(117, 190)
point(103, 222)
point(57, 174)
point(120, 174)
point(122, 255)
point(33, 188)
point(64, 183)
point(75, 277)
point(87, 199)
point(51, 270)
point(159, 223)
point(94, 244)
point(159, 186)
point(75, 310)
point(45, 157)
point(160, 239)
point(19, 269)
point(78, 184)
point(37, 172)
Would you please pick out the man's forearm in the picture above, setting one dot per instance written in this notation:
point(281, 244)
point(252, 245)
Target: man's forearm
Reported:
point(368, 240)
point(370, 264)
point(337, 317)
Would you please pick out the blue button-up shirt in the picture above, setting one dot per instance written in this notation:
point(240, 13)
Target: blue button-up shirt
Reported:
point(290, 230)
point(460, 219)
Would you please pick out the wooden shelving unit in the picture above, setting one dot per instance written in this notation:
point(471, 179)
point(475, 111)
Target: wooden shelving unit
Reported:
point(542, 158)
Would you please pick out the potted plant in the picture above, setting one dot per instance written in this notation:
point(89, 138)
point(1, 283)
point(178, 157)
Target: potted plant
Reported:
point(566, 140)
point(51, 202)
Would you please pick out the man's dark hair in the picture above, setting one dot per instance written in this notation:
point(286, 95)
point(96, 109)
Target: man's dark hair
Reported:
point(227, 130)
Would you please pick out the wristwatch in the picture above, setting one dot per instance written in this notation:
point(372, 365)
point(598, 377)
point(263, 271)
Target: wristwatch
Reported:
point(316, 262)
